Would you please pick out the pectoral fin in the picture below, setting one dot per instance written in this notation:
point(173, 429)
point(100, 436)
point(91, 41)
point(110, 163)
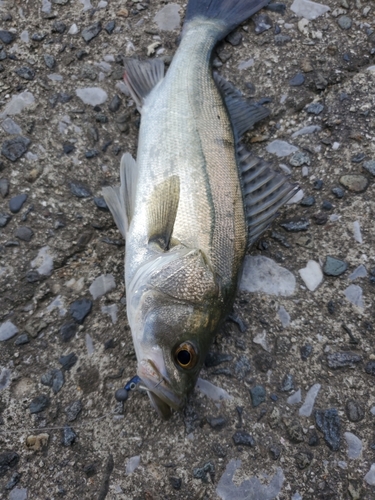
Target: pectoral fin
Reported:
point(142, 76)
point(162, 211)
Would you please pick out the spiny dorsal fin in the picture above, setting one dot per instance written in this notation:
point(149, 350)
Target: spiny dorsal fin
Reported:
point(142, 76)
point(242, 114)
point(162, 211)
point(264, 191)
point(120, 199)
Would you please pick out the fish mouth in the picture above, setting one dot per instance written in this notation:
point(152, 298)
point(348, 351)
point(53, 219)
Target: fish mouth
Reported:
point(162, 397)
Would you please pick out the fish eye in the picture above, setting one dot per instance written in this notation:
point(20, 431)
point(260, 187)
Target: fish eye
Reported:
point(186, 355)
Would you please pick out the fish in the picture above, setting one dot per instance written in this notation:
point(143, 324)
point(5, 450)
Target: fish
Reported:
point(191, 204)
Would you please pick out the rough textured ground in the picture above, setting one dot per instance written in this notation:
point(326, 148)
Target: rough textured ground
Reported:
point(72, 142)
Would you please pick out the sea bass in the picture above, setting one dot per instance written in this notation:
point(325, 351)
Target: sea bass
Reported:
point(191, 204)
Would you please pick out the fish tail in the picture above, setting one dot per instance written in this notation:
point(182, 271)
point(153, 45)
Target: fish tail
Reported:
point(230, 13)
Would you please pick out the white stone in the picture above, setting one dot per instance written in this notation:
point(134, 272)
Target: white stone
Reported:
point(46, 6)
point(284, 316)
point(302, 26)
point(10, 127)
point(296, 496)
point(86, 5)
point(43, 261)
point(212, 391)
point(58, 303)
point(312, 275)
point(354, 294)
point(295, 398)
point(307, 130)
point(7, 330)
point(89, 344)
point(25, 36)
point(122, 87)
point(92, 95)
point(31, 156)
point(246, 64)
point(102, 285)
point(18, 494)
point(55, 77)
point(73, 30)
point(111, 310)
point(370, 476)
point(307, 407)
point(359, 272)
point(132, 464)
point(281, 148)
point(261, 274)
point(168, 18)
point(309, 10)
point(297, 197)
point(354, 445)
point(261, 339)
point(18, 103)
point(357, 232)
point(342, 464)
point(102, 4)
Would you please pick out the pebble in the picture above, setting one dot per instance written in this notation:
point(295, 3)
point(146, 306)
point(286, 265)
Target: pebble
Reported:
point(49, 60)
point(308, 9)
point(295, 398)
point(79, 309)
point(354, 445)
point(306, 351)
point(176, 482)
point(243, 438)
point(334, 267)
point(242, 367)
point(73, 30)
point(303, 459)
point(14, 479)
point(68, 361)
point(295, 225)
point(234, 38)
point(91, 32)
point(92, 95)
point(22, 339)
point(79, 190)
point(354, 411)
point(358, 158)
point(281, 148)
point(337, 360)
point(328, 422)
point(312, 275)
point(261, 274)
point(69, 436)
point(18, 494)
point(359, 272)
point(111, 310)
point(370, 166)
point(132, 464)
point(26, 73)
point(14, 148)
point(212, 391)
point(5, 377)
point(73, 410)
point(4, 187)
point(16, 203)
point(308, 201)
point(168, 18)
point(275, 451)
point(7, 37)
point(7, 330)
point(370, 476)
point(299, 158)
point(281, 39)
point(24, 233)
point(297, 80)
point(345, 22)
point(18, 103)
point(287, 383)
point(101, 204)
point(315, 108)
point(38, 37)
point(262, 22)
point(39, 404)
point(110, 26)
point(53, 378)
point(10, 127)
point(217, 423)
point(284, 316)
point(4, 219)
point(258, 395)
point(307, 407)
point(115, 104)
point(294, 430)
point(327, 205)
point(354, 182)
point(43, 261)
point(311, 129)
point(370, 368)
point(338, 192)
point(354, 295)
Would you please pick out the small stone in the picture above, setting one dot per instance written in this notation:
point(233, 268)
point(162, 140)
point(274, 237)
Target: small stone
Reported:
point(115, 104)
point(282, 347)
point(7, 330)
point(306, 351)
point(287, 383)
point(345, 22)
point(295, 398)
point(354, 182)
point(354, 445)
point(370, 166)
point(53, 378)
point(110, 26)
point(69, 436)
point(334, 267)
point(14, 148)
point(370, 368)
point(308, 201)
point(26, 73)
point(263, 361)
point(318, 185)
point(91, 153)
point(242, 367)
point(7, 37)
point(24, 233)
point(315, 108)
point(68, 148)
point(337, 360)
point(299, 158)
point(73, 410)
point(262, 23)
point(242, 438)
point(261, 274)
point(358, 158)
point(297, 80)
point(4, 219)
point(168, 18)
point(328, 422)
point(294, 430)
point(295, 225)
point(101, 204)
point(354, 411)
point(359, 272)
point(38, 442)
point(68, 331)
point(68, 361)
point(14, 479)
point(312, 275)
point(49, 60)
point(313, 438)
point(275, 451)
point(8, 460)
point(217, 423)
point(258, 395)
point(79, 190)
point(281, 39)
point(327, 205)
point(10, 127)
point(354, 294)
point(39, 404)
point(176, 482)
point(22, 339)
point(94, 96)
point(307, 407)
point(303, 459)
point(370, 476)
point(338, 192)
point(90, 470)
point(89, 72)
point(58, 27)
point(79, 309)
point(234, 38)
point(4, 187)
point(38, 37)
point(91, 32)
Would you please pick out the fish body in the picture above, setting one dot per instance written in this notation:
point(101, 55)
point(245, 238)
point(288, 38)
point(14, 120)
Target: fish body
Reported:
point(181, 206)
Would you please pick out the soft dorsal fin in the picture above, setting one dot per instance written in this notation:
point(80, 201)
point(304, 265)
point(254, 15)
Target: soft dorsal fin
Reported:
point(162, 211)
point(264, 192)
point(120, 199)
point(142, 76)
point(242, 114)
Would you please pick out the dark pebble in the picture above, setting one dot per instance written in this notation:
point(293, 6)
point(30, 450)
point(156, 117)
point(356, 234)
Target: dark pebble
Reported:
point(243, 438)
point(3, 55)
point(90, 470)
point(331, 307)
point(370, 368)
point(22, 339)
point(274, 397)
point(306, 351)
point(276, 7)
point(121, 394)
point(354, 411)
point(101, 118)
point(370, 166)
point(4, 219)
point(110, 26)
point(24, 233)
point(68, 148)
point(262, 23)
point(39, 404)
point(26, 73)
point(81, 54)
point(115, 104)
point(303, 459)
point(14, 479)
point(318, 185)
point(219, 451)
point(53, 378)
point(14, 148)
point(308, 201)
point(69, 436)
point(67, 331)
point(217, 423)
point(282, 39)
point(16, 203)
point(358, 158)
point(109, 344)
point(4, 187)
point(176, 482)
point(216, 358)
point(327, 205)
point(328, 422)
point(7, 37)
point(287, 383)
point(275, 451)
point(320, 219)
point(208, 470)
point(101, 204)
point(73, 410)
point(33, 276)
point(91, 32)
point(79, 190)
point(263, 361)
point(38, 37)
point(58, 27)
point(297, 80)
point(345, 22)
point(258, 395)
point(79, 309)
point(277, 29)
point(68, 361)
point(337, 360)
point(294, 430)
point(315, 108)
point(8, 460)
point(313, 438)
point(338, 192)
point(334, 267)
point(234, 38)
point(295, 225)
point(49, 60)
point(91, 153)
point(242, 367)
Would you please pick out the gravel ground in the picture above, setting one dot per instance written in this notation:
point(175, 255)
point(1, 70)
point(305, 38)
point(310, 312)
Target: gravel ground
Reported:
point(298, 362)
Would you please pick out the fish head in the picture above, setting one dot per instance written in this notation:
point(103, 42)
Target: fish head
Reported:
point(173, 314)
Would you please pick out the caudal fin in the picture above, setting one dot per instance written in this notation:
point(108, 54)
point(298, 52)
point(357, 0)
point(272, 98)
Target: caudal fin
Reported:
point(230, 12)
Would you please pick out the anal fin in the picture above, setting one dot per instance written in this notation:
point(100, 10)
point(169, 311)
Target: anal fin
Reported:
point(142, 76)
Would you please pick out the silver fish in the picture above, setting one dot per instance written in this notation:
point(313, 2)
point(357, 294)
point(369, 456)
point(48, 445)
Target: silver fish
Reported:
point(191, 204)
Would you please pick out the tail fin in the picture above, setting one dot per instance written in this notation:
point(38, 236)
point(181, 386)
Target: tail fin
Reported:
point(230, 12)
